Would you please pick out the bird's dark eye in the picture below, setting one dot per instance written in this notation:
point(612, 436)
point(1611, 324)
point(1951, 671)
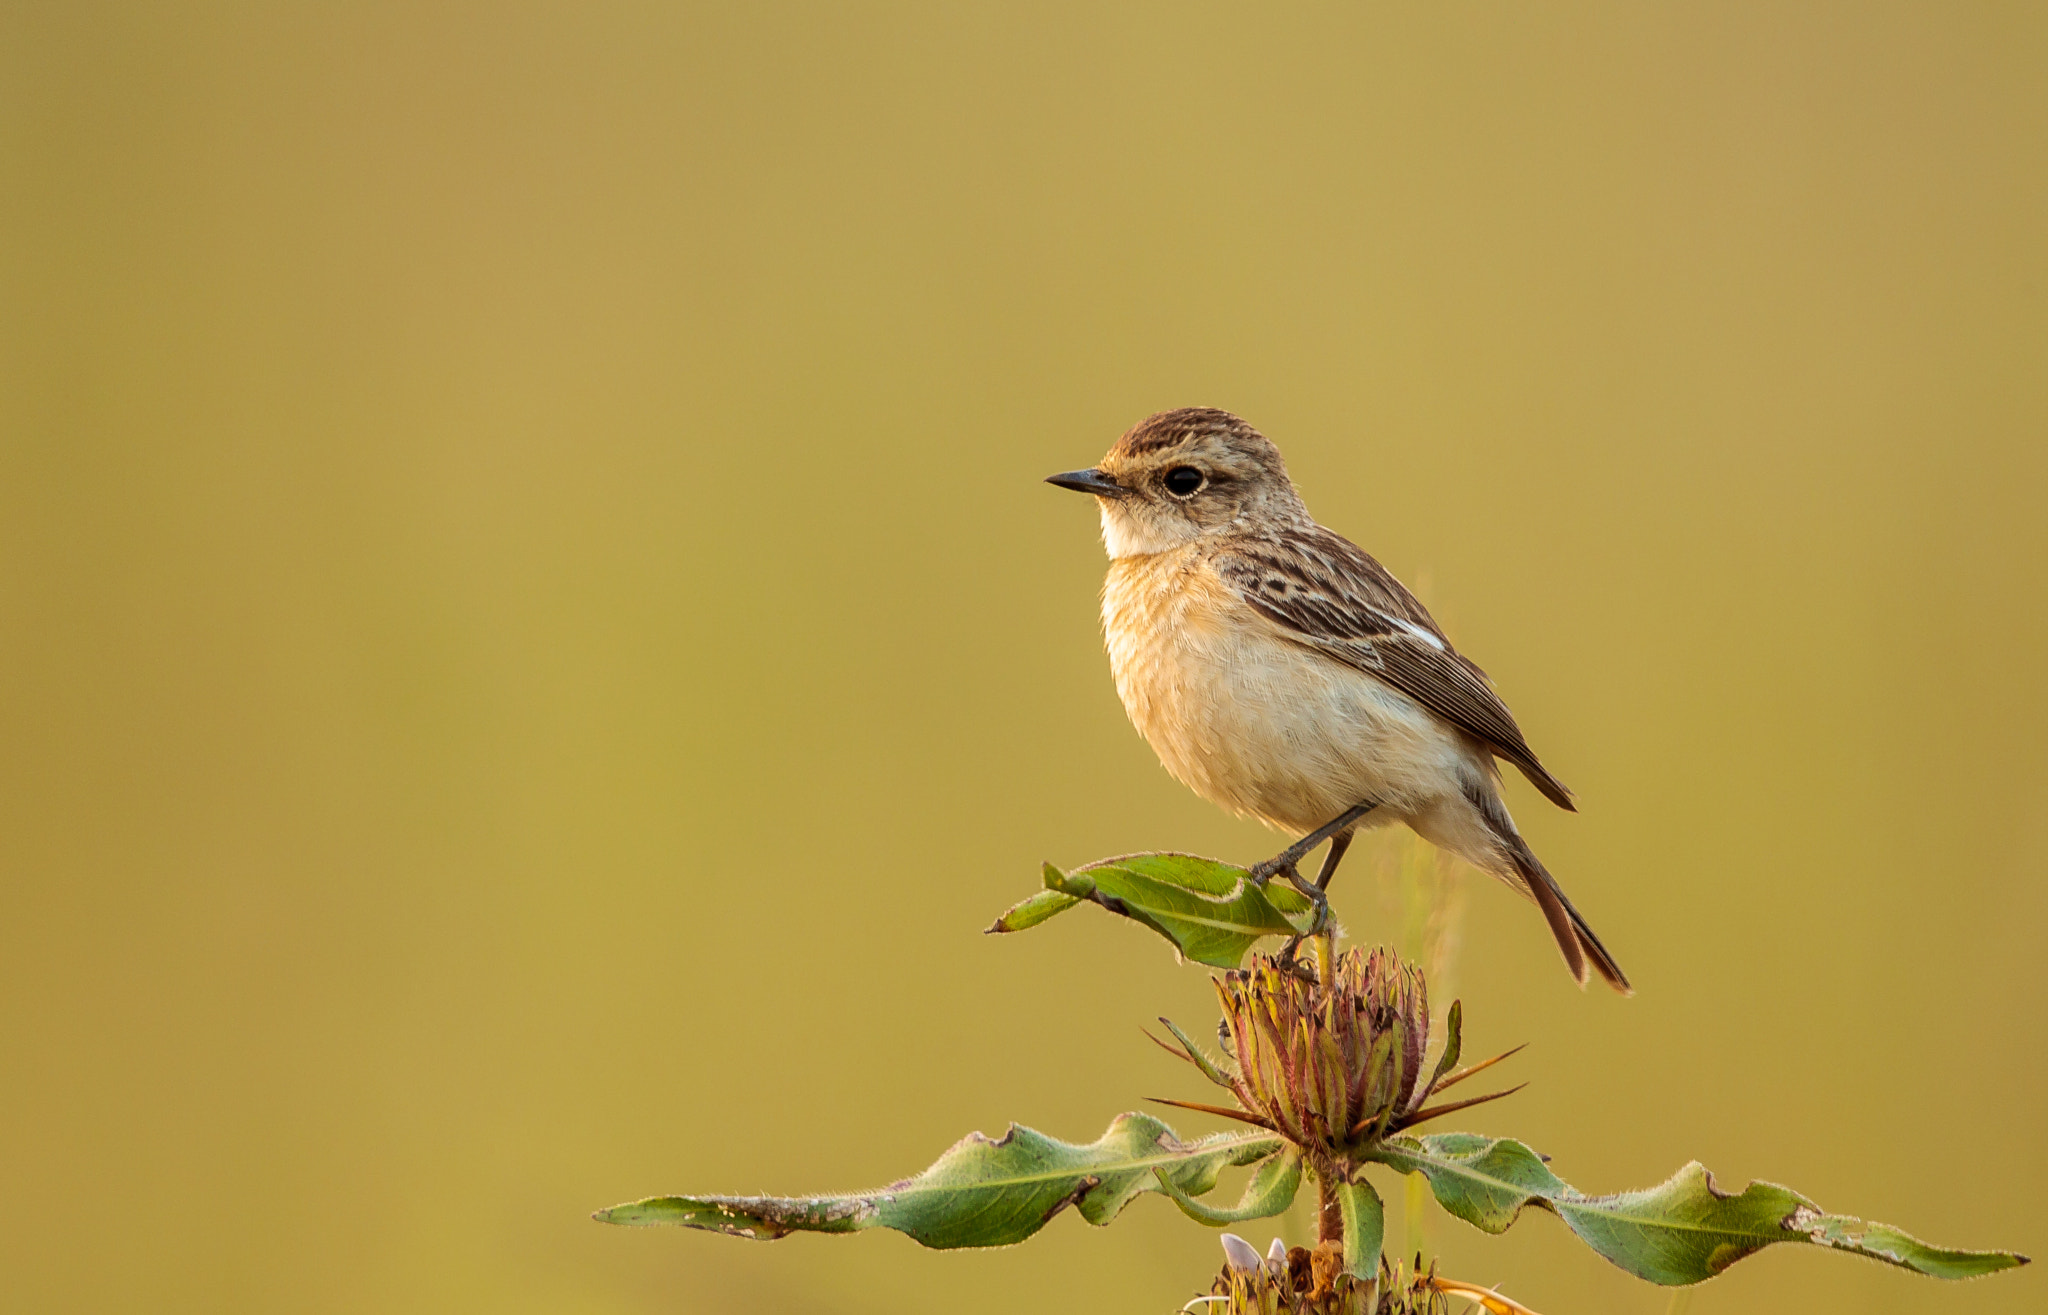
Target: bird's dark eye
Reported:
point(1183, 480)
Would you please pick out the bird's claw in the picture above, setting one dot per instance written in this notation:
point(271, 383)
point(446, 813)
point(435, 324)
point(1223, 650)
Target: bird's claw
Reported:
point(1287, 963)
point(1281, 866)
point(1261, 873)
point(1318, 899)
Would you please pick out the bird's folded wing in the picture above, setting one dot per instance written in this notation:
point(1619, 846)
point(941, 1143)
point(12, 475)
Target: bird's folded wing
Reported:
point(1323, 591)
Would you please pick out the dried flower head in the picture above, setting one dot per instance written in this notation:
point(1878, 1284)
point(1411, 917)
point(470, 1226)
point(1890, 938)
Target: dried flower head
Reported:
point(1331, 1066)
point(1298, 1281)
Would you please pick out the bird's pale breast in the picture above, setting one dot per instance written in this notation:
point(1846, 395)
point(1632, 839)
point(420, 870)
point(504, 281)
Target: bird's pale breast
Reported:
point(1253, 721)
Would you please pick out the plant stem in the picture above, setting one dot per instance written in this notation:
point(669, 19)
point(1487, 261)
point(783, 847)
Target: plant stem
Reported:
point(1417, 1188)
point(1329, 1215)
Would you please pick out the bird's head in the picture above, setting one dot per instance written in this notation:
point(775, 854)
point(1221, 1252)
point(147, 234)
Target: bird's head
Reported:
point(1182, 474)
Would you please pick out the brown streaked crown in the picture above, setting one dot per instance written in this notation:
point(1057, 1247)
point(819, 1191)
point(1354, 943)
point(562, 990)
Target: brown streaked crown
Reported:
point(1169, 429)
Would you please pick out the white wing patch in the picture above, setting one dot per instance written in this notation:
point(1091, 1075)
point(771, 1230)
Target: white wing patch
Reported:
point(1415, 631)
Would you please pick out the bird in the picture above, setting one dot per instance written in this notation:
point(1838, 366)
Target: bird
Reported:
point(1280, 672)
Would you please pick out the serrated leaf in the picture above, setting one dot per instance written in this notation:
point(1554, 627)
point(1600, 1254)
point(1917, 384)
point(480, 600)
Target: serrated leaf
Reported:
point(1685, 1230)
point(982, 1192)
point(1211, 911)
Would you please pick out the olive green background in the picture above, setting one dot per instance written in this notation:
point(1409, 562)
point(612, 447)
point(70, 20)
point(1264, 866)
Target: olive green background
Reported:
point(531, 641)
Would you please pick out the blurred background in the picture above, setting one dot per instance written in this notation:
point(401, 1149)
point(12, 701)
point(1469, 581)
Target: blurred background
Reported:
point(532, 642)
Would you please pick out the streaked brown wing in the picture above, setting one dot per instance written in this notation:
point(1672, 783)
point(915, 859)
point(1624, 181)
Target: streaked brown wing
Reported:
point(1324, 591)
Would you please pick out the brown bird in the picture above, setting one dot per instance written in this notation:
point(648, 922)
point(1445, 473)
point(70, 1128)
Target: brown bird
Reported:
point(1282, 673)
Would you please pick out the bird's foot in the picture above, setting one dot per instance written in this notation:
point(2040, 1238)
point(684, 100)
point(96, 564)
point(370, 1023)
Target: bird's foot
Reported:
point(1281, 864)
point(1318, 899)
point(1287, 963)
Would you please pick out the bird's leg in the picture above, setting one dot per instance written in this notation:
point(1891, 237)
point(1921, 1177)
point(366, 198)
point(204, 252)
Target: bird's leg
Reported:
point(1338, 833)
point(1338, 844)
point(1316, 892)
point(1283, 862)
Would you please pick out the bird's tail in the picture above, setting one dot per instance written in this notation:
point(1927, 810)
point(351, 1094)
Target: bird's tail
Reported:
point(1510, 859)
point(1580, 946)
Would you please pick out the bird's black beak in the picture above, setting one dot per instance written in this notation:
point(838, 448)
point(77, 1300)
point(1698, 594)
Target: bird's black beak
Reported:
point(1088, 481)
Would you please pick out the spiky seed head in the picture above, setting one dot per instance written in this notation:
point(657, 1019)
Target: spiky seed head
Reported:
point(1332, 1066)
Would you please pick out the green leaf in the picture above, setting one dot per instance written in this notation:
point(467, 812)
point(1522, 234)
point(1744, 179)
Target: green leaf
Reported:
point(1211, 911)
point(1365, 1227)
point(982, 1193)
point(1270, 1191)
point(1682, 1231)
point(1031, 911)
point(1453, 1045)
point(1480, 1180)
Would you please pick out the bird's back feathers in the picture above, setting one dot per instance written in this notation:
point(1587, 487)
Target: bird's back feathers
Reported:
point(1327, 593)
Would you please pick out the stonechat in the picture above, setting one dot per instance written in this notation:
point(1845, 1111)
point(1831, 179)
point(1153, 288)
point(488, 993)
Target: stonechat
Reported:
point(1281, 672)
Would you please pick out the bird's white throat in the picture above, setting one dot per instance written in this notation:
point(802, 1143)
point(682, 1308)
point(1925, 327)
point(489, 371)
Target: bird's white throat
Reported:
point(1126, 535)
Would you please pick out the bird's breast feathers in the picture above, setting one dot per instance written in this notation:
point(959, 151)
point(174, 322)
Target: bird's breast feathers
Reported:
point(1253, 720)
